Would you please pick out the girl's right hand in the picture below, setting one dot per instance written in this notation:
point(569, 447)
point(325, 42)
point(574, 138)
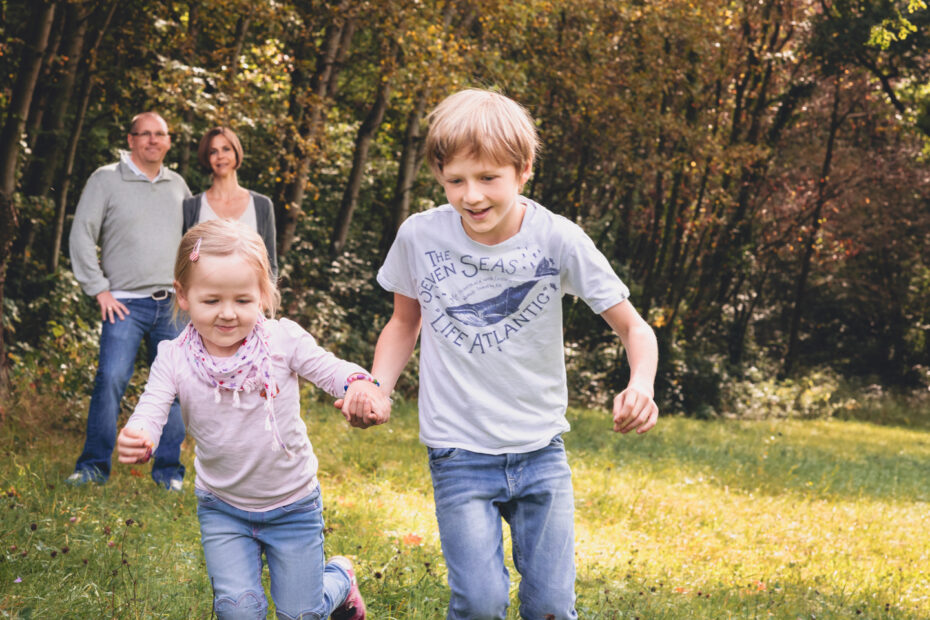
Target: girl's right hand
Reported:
point(133, 445)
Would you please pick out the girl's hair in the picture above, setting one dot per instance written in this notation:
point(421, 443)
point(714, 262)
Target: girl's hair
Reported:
point(484, 125)
point(222, 238)
point(203, 151)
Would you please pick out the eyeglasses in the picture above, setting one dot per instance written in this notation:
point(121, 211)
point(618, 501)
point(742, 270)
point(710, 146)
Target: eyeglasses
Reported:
point(158, 135)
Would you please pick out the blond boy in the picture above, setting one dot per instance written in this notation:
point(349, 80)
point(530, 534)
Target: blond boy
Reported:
point(484, 276)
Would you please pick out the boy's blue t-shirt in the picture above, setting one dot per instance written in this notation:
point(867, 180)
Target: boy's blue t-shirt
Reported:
point(492, 369)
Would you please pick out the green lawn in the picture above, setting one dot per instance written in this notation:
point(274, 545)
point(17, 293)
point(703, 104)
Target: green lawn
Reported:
point(719, 519)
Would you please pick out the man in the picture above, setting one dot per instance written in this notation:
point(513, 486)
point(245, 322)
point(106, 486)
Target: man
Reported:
point(132, 211)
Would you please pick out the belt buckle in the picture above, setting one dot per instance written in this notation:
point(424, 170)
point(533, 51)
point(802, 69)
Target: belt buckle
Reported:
point(160, 295)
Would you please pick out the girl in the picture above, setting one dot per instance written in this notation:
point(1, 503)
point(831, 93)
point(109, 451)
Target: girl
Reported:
point(235, 374)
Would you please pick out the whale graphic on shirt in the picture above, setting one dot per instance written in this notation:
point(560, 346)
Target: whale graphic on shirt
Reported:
point(499, 307)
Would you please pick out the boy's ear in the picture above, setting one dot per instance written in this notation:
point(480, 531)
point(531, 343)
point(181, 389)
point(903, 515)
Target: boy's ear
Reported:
point(526, 172)
point(182, 299)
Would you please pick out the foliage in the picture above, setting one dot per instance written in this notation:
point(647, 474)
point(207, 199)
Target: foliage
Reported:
point(755, 171)
point(724, 519)
point(761, 395)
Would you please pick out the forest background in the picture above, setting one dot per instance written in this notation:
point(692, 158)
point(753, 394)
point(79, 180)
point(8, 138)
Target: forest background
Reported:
point(756, 171)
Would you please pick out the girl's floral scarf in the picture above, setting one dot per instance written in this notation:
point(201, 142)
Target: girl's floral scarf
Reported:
point(248, 370)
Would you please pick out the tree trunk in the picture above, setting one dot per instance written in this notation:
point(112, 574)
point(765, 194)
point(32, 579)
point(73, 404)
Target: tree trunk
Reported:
point(87, 86)
point(47, 153)
point(10, 135)
point(406, 173)
point(242, 27)
point(46, 78)
point(193, 25)
point(308, 107)
point(836, 120)
point(363, 140)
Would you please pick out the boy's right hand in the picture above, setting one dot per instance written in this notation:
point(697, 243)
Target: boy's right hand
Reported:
point(133, 445)
point(365, 405)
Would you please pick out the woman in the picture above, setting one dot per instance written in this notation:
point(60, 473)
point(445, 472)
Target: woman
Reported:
point(220, 154)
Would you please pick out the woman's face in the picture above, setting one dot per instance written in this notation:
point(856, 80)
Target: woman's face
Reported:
point(222, 156)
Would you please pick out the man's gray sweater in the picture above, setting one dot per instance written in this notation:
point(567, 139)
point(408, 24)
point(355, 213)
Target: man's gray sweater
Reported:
point(137, 225)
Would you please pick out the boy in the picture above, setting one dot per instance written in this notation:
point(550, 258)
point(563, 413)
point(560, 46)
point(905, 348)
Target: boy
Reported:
point(484, 276)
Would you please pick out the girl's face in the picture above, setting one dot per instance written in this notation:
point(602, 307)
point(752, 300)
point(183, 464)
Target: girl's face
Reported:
point(224, 301)
point(222, 156)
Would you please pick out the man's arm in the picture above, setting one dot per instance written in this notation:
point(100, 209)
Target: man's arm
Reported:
point(82, 243)
point(634, 407)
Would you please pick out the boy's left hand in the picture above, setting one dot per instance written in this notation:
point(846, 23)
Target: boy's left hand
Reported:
point(634, 409)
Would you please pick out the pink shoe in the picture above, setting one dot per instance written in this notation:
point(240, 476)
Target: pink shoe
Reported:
point(353, 608)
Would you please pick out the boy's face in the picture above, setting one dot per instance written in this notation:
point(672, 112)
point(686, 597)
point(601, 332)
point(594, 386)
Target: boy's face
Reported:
point(485, 195)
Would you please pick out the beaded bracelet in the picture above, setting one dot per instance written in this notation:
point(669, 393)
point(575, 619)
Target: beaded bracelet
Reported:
point(360, 376)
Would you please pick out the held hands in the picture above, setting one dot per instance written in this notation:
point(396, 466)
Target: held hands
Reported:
point(365, 404)
point(133, 445)
point(110, 305)
point(634, 409)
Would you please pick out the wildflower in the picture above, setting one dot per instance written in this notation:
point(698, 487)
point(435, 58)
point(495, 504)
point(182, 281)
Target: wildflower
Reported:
point(412, 539)
point(18, 580)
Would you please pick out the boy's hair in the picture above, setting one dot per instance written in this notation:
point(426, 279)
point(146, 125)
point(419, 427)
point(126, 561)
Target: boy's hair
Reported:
point(222, 238)
point(484, 125)
point(203, 151)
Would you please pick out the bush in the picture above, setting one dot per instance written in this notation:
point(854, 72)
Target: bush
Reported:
point(760, 395)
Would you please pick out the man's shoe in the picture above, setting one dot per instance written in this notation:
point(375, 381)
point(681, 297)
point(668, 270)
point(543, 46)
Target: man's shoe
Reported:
point(82, 476)
point(353, 608)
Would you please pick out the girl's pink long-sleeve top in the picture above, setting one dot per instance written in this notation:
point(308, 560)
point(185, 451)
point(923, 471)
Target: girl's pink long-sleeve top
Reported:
point(234, 459)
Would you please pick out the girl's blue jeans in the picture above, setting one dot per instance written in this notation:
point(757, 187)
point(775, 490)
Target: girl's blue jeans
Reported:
point(151, 320)
point(291, 537)
point(533, 493)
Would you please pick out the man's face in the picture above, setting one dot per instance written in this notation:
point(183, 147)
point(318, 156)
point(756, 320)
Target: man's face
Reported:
point(149, 140)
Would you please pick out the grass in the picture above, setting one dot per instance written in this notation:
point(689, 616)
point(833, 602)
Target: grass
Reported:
point(696, 519)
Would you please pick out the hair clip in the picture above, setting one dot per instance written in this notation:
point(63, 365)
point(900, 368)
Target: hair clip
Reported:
point(195, 253)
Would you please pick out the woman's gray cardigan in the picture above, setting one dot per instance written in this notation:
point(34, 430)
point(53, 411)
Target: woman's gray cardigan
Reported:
point(264, 218)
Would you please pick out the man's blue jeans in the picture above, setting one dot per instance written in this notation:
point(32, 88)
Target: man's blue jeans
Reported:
point(291, 537)
point(119, 343)
point(533, 493)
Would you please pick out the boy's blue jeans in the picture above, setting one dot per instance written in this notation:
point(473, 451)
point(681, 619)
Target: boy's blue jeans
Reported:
point(119, 343)
point(533, 492)
point(291, 537)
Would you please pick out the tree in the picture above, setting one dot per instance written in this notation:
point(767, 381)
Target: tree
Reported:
point(40, 25)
